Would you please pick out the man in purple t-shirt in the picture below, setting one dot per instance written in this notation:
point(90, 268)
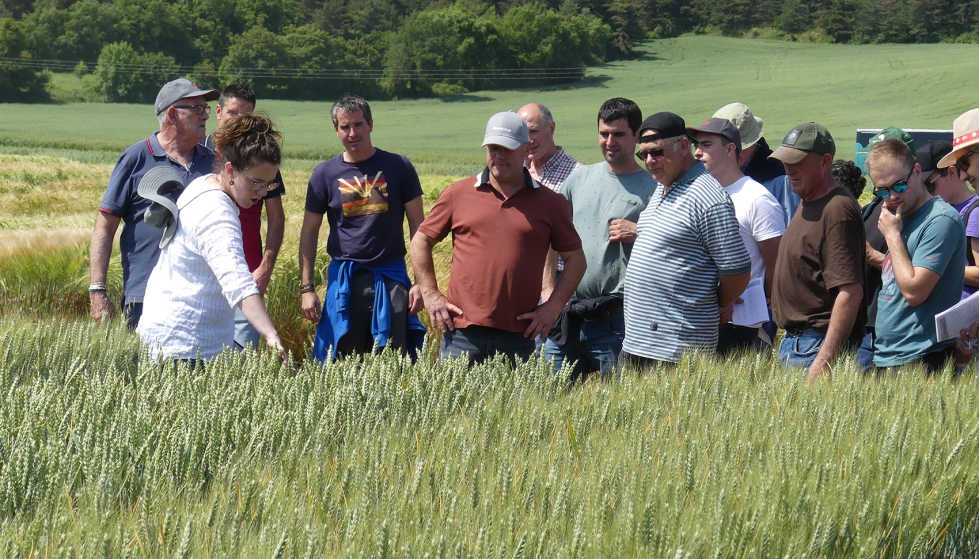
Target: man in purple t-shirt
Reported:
point(950, 185)
point(366, 194)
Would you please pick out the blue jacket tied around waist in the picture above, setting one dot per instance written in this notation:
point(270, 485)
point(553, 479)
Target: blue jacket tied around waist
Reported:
point(335, 320)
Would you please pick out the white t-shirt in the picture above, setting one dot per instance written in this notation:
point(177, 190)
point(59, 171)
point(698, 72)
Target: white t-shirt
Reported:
point(199, 279)
point(760, 217)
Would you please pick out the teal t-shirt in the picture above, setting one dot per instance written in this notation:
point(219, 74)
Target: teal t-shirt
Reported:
point(597, 197)
point(935, 239)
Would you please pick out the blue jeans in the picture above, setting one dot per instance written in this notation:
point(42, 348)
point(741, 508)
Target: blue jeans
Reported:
point(596, 349)
point(800, 349)
point(245, 334)
point(478, 343)
point(865, 353)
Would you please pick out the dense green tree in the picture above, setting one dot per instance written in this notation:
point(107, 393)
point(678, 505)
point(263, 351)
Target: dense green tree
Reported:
point(123, 75)
point(443, 51)
point(88, 26)
point(18, 84)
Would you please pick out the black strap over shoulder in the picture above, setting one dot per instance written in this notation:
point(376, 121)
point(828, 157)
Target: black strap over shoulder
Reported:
point(965, 221)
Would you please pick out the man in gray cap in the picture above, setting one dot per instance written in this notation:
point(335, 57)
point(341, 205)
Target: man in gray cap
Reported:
point(688, 261)
point(182, 111)
point(754, 161)
point(503, 223)
point(817, 295)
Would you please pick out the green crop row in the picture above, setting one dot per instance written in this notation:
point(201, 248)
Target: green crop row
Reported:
point(104, 455)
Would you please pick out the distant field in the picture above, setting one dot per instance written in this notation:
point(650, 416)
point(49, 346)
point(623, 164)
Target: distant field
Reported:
point(843, 87)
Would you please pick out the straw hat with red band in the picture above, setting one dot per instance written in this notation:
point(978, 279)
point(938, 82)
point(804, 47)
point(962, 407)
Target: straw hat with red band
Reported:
point(965, 131)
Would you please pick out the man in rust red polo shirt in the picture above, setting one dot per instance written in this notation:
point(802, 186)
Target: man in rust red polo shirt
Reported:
point(502, 224)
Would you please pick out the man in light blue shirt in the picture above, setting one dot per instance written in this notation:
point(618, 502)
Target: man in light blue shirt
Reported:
point(923, 270)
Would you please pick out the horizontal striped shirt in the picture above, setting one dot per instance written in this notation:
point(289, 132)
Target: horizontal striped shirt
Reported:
point(687, 238)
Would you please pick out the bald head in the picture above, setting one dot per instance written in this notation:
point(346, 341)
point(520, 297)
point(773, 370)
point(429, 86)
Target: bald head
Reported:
point(540, 124)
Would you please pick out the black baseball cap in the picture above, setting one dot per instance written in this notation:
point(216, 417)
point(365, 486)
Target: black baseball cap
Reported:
point(930, 154)
point(666, 125)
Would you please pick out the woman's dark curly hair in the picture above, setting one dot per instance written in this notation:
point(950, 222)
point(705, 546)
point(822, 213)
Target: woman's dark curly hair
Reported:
point(849, 176)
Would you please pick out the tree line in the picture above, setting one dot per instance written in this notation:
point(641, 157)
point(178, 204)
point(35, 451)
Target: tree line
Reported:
point(316, 49)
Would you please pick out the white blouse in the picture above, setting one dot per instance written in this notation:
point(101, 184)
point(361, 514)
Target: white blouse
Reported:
point(188, 311)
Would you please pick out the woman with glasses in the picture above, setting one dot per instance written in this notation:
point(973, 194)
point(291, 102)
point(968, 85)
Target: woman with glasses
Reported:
point(201, 276)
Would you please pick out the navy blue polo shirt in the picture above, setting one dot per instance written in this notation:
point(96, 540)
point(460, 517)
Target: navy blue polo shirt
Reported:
point(139, 242)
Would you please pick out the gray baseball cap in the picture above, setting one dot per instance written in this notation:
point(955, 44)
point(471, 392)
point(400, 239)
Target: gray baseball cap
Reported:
point(506, 129)
point(161, 185)
point(180, 89)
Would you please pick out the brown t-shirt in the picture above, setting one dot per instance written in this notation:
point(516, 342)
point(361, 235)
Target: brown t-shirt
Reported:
point(498, 247)
point(822, 249)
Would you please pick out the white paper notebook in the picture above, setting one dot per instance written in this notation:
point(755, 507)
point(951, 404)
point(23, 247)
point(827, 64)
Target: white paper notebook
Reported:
point(959, 317)
point(753, 310)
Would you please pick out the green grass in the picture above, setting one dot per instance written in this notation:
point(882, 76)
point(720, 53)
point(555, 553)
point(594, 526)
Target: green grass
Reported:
point(844, 87)
point(101, 457)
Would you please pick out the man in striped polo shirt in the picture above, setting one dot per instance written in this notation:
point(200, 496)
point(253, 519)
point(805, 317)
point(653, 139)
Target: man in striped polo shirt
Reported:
point(817, 295)
point(688, 260)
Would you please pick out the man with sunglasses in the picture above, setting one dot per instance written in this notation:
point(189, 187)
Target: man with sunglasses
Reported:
point(950, 185)
point(236, 100)
point(182, 111)
point(606, 199)
point(688, 260)
point(817, 295)
point(922, 272)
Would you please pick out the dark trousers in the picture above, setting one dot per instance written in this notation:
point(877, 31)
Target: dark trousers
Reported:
point(478, 343)
point(132, 313)
point(932, 362)
point(732, 338)
point(359, 338)
point(627, 359)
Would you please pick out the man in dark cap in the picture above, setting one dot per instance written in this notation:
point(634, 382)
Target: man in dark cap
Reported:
point(817, 295)
point(950, 185)
point(761, 223)
point(182, 111)
point(688, 260)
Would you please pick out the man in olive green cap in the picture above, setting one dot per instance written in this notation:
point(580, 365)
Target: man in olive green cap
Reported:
point(817, 296)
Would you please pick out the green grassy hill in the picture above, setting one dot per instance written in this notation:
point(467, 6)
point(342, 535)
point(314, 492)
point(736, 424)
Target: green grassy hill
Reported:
point(843, 87)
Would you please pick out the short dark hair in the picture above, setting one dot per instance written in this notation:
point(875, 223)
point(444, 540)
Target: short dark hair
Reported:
point(237, 91)
point(348, 103)
point(849, 176)
point(618, 108)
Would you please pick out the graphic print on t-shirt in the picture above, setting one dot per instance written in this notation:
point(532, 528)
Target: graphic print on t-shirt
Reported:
point(363, 196)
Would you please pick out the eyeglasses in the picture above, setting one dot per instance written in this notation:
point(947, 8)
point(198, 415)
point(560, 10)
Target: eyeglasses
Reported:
point(657, 153)
point(897, 188)
point(258, 185)
point(201, 109)
point(963, 162)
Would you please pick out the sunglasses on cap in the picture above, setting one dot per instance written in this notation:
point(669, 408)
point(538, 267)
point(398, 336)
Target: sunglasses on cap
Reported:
point(897, 188)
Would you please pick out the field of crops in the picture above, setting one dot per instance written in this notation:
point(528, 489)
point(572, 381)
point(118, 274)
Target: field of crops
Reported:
point(102, 455)
point(379, 458)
